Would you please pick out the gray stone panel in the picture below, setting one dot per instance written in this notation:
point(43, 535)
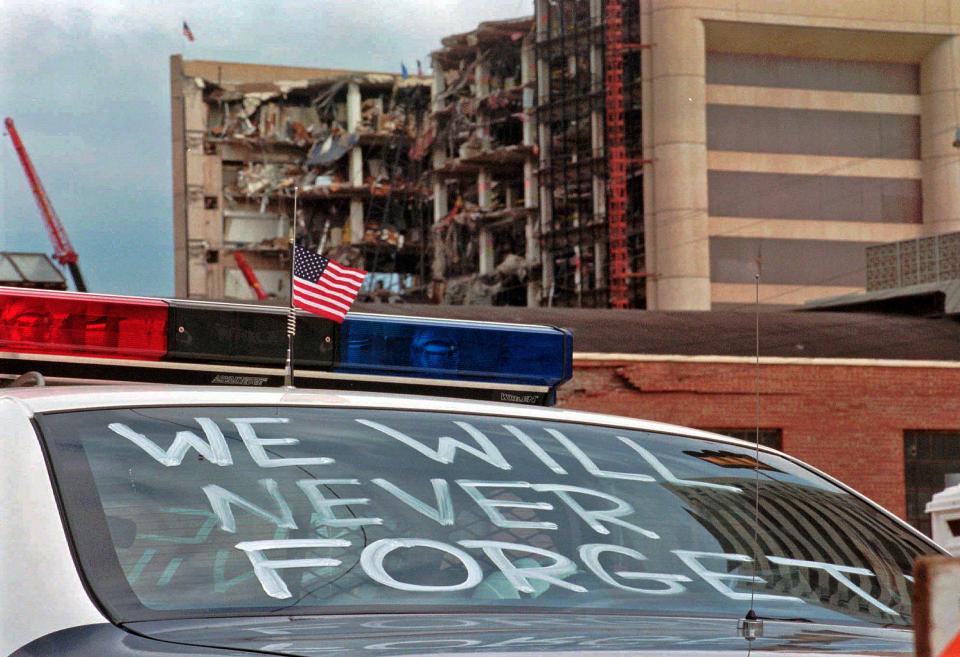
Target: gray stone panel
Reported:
point(790, 196)
point(788, 262)
point(802, 73)
point(812, 132)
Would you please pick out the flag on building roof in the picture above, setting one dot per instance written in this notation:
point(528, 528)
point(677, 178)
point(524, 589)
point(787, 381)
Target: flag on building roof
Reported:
point(404, 73)
point(323, 286)
point(187, 32)
point(419, 68)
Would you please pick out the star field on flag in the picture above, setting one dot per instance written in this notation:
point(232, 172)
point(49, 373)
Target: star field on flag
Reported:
point(323, 286)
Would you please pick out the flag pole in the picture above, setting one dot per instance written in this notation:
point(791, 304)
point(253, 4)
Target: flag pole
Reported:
point(292, 316)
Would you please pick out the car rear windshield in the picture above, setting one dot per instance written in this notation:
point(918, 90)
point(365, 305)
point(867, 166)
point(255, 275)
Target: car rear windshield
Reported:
point(218, 511)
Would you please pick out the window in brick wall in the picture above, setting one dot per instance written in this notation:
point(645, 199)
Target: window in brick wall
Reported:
point(931, 463)
point(768, 437)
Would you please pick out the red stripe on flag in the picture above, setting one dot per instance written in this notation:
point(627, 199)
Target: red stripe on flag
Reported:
point(308, 295)
point(306, 288)
point(320, 310)
point(349, 288)
point(343, 278)
point(337, 267)
point(346, 280)
point(324, 287)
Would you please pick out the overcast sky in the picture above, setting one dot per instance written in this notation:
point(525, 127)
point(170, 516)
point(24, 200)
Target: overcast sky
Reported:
point(87, 83)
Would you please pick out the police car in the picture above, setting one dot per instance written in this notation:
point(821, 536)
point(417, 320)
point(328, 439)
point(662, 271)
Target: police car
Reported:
point(229, 515)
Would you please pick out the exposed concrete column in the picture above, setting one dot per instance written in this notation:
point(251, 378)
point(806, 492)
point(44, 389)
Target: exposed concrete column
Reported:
point(531, 231)
point(440, 209)
point(353, 123)
point(356, 164)
point(484, 189)
point(438, 85)
point(482, 75)
point(485, 237)
point(486, 263)
point(440, 201)
point(600, 263)
point(680, 152)
point(527, 73)
point(356, 221)
point(939, 120)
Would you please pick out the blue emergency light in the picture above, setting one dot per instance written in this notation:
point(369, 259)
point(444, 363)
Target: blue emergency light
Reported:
point(89, 336)
point(451, 349)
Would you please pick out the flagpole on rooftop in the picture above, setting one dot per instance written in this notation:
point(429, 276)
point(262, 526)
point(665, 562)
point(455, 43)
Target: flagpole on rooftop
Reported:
point(292, 316)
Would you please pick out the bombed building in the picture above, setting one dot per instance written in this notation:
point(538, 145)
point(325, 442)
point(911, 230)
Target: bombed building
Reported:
point(247, 136)
point(599, 153)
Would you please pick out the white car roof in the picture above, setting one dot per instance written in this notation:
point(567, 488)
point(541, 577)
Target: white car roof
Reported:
point(74, 398)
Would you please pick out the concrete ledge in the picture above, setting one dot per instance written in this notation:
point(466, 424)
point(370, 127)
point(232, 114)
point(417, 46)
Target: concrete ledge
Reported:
point(814, 165)
point(812, 99)
point(813, 229)
point(745, 293)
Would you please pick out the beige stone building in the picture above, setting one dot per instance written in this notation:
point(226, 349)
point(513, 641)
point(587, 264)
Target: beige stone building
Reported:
point(799, 131)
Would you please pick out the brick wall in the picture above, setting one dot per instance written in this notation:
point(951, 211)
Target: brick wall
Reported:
point(847, 420)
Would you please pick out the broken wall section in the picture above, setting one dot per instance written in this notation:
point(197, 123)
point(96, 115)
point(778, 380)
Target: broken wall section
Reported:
point(344, 140)
point(484, 238)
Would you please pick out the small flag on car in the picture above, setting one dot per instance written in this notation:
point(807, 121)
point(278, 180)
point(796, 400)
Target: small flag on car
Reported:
point(187, 32)
point(323, 286)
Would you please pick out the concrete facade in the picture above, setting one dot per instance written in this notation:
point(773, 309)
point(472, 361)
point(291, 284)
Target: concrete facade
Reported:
point(750, 73)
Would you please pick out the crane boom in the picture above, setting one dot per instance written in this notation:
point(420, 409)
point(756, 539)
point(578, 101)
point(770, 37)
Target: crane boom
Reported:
point(63, 251)
point(250, 275)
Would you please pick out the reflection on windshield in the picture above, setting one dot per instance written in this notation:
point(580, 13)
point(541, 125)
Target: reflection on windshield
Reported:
point(298, 510)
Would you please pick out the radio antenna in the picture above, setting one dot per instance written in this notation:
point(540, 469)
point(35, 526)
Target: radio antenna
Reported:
point(751, 626)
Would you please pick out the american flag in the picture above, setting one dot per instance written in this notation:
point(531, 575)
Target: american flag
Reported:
point(187, 32)
point(323, 286)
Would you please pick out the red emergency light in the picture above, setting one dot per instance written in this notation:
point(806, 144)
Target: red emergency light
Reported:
point(48, 322)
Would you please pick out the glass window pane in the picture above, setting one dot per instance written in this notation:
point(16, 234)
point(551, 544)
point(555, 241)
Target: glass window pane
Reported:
point(179, 512)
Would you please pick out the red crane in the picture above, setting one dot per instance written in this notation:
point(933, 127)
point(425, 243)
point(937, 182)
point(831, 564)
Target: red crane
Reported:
point(64, 252)
point(249, 274)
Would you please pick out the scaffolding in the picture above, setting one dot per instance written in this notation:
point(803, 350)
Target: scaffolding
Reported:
point(588, 103)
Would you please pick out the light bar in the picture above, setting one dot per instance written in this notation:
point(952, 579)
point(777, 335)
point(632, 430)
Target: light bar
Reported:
point(90, 336)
